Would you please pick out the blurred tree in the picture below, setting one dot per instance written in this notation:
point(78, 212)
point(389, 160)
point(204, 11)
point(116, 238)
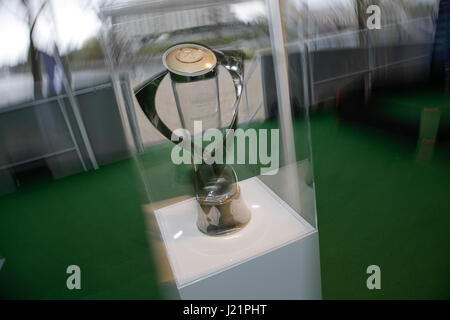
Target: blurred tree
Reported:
point(33, 53)
point(91, 50)
point(361, 6)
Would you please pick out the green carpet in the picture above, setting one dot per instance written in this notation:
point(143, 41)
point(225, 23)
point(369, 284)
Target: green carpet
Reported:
point(93, 220)
point(375, 206)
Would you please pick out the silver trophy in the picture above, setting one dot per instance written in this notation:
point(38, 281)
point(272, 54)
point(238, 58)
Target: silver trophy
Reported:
point(193, 71)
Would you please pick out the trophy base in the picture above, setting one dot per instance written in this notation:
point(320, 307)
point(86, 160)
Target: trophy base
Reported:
point(224, 217)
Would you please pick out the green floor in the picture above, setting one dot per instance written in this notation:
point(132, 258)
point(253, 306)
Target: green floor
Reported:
point(375, 206)
point(92, 220)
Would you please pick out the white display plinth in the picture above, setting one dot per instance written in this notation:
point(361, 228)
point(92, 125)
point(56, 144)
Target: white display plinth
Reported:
point(275, 256)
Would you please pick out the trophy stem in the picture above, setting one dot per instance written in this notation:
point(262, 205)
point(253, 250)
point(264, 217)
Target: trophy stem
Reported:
point(221, 208)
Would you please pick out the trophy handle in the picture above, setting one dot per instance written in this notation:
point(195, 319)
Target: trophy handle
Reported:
point(233, 61)
point(146, 93)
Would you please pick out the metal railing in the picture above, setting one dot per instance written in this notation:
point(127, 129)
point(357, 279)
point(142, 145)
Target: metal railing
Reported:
point(59, 99)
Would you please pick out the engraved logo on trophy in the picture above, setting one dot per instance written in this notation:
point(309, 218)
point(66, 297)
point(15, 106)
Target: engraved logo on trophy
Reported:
point(189, 55)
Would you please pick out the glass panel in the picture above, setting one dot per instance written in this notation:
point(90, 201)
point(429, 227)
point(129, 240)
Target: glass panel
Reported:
point(260, 183)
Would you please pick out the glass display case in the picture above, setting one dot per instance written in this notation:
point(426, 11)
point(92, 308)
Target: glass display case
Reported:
point(215, 98)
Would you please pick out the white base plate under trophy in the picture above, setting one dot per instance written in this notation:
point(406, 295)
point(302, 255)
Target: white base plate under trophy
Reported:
point(276, 256)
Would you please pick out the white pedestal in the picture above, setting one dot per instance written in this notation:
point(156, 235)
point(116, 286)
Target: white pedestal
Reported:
point(276, 256)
